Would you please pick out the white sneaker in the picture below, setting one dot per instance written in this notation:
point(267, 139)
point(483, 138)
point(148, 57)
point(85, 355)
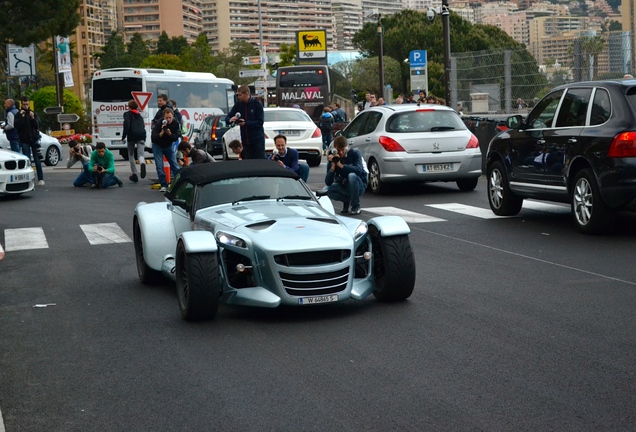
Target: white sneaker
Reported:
point(41, 183)
point(163, 189)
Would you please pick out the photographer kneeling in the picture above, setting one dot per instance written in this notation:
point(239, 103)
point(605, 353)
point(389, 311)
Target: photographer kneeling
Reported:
point(346, 177)
point(287, 157)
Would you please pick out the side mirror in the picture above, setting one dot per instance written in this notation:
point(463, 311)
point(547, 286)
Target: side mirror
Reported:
point(181, 203)
point(514, 122)
point(338, 133)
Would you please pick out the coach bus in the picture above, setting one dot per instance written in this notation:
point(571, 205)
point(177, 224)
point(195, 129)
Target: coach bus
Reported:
point(311, 87)
point(197, 94)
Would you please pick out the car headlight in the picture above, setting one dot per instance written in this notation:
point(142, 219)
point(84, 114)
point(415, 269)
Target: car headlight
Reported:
point(230, 240)
point(361, 230)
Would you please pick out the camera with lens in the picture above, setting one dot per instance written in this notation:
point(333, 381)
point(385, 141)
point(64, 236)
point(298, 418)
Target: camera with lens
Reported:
point(335, 158)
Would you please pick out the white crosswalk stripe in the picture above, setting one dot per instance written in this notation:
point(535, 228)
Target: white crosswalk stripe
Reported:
point(407, 215)
point(466, 210)
point(16, 239)
point(105, 233)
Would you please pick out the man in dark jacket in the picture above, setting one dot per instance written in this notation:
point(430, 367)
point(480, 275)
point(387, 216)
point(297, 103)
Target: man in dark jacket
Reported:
point(9, 125)
point(248, 114)
point(346, 177)
point(135, 133)
point(164, 135)
point(27, 123)
point(198, 156)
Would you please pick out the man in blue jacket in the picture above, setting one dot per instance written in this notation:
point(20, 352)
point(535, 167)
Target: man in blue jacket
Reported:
point(346, 176)
point(248, 115)
point(9, 125)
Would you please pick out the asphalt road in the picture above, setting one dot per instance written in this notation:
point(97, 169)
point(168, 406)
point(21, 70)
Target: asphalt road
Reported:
point(515, 324)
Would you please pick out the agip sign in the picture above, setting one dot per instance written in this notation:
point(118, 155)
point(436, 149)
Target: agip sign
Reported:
point(311, 47)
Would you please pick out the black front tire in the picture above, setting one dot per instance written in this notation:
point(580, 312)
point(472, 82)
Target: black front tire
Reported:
point(147, 276)
point(375, 184)
point(591, 214)
point(124, 154)
point(467, 185)
point(314, 161)
point(198, 284)
point(503, 202)
point(393, 267)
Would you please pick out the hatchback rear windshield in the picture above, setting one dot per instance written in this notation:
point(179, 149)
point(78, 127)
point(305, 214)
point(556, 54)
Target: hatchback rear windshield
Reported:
point(424, 121)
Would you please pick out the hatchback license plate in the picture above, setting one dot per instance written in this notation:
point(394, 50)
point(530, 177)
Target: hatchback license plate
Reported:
point(438, 167)
point(19, 177)
point(318, 300)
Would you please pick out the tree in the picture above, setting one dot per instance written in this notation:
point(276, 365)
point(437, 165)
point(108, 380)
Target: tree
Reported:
point(591, 47)
point(198, 58)
point(366, 75)
point(164, 46)
point(114, 53)
point(163, 61)
point(137, 50)
point(179, 45)
point(287, 55)
point(35, 21)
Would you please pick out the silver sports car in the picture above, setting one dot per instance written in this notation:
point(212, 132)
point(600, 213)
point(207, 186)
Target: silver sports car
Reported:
point(253, 234)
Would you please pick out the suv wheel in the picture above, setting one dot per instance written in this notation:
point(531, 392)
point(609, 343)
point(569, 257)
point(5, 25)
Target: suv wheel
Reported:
point(501, 199)
point(591, 214)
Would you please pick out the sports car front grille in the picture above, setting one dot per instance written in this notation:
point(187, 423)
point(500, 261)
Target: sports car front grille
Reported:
point(313, 258)
point(316, 283)
point(11, 165)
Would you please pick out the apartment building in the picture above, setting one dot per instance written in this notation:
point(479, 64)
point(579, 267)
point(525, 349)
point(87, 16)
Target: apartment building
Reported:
point(347, 19)
point(152, 17)
point(514, 24)
point(546, 34)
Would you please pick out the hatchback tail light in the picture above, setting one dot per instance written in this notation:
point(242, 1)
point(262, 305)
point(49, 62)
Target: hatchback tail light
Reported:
point(623, 145)
point(316, 134)
point(390, 144)
point(473, 142)
point(213, 134)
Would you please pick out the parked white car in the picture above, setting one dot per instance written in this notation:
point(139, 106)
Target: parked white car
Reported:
point(300, 130)
point(50, 148)
point(16, 174)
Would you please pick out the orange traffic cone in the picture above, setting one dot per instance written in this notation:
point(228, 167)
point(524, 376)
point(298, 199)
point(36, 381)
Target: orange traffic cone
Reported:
point(166, 169)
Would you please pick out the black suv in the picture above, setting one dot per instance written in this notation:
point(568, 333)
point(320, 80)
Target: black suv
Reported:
point(578, 145)
point(208, 136)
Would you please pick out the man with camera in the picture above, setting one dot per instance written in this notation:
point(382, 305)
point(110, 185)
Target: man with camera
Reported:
point(287, 158)
point(248, 114)
point(102, 168)
point(346, 176)
point(198, 156)
point(82, 154)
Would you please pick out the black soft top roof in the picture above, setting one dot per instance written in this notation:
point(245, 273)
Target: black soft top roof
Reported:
point(209, 172)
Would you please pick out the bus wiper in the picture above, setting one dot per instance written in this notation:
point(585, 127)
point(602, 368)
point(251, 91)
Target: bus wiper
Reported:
point(251, 198)
point(299, 197)
point(442, 128)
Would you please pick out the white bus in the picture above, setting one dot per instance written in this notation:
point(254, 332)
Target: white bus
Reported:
point(197, 94)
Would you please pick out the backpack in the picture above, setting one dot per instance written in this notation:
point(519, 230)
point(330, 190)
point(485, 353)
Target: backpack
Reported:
point(137, 128)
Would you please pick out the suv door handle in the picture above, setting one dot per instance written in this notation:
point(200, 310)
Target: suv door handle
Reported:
point(571, 140)
point(541, 141)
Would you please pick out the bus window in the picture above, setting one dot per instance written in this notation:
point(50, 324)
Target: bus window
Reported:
point(115, 89)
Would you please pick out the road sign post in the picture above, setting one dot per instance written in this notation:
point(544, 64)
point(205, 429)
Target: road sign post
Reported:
point(67, 118)
point(246, 73)
point(419, 70)
point(54, 110)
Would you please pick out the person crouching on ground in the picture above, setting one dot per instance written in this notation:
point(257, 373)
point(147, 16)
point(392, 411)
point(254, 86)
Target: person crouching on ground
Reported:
point(287, 158)
point(102, 166)
point(164, 134)
point(346, 177)
point(198, 156)
point(82, 154)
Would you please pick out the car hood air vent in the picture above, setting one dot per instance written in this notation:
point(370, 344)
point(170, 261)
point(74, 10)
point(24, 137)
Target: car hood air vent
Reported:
point(261, 225)
point(326, 220)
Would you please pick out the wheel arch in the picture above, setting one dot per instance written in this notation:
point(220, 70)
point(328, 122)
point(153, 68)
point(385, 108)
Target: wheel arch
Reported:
point(198, 242)
point(157, 232)
point(578, 164)
point(389, 225)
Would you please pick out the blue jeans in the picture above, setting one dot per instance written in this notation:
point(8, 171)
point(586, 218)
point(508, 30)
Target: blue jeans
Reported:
point(349, 192)
point(104, 180)
point(85, 177)
point(26, 150)
point(326, 140)
point(15, 145)
point(158, 153)
point(303, 171)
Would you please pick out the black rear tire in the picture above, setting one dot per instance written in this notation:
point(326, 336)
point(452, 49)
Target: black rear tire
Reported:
point(393, 267)
point(123, 153)
point(147, 276)
point(314, 161)
point(467, 185)
point(198, 284)
point(590, 213)
point(503, 202)
point(375, 183)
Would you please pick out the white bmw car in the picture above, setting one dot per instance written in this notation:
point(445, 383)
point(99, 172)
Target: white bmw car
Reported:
point(16, 174)
point(50, 148)
point(300, 130)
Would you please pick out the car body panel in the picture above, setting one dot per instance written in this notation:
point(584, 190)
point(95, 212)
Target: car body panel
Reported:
point(291, 248)
point(209, 135)
point(47, 143)
point(16, 174)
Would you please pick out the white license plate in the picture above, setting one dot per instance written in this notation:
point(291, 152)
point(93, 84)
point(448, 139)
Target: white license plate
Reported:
point(438, 167)
point(318, 299)
point(290, 132)
point(19, 178)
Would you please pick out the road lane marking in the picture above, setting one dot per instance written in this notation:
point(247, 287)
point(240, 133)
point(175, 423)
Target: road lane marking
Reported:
point(467, 210)
point(16, 239)
point(105, 233)
point(408, 216)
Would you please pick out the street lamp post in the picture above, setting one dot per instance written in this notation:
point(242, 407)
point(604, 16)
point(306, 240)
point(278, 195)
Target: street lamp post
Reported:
point(447, 50)
point(379, 30)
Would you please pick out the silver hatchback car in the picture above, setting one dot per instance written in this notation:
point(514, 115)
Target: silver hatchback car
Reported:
point(411, 143)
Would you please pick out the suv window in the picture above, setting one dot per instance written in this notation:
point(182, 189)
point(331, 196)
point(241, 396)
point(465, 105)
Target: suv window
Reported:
point(600, 107)
point(542, 115)
point(573, 110)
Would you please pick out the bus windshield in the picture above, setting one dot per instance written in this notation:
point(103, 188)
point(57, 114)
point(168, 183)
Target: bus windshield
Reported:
point(115, 89)
point(304, 86)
